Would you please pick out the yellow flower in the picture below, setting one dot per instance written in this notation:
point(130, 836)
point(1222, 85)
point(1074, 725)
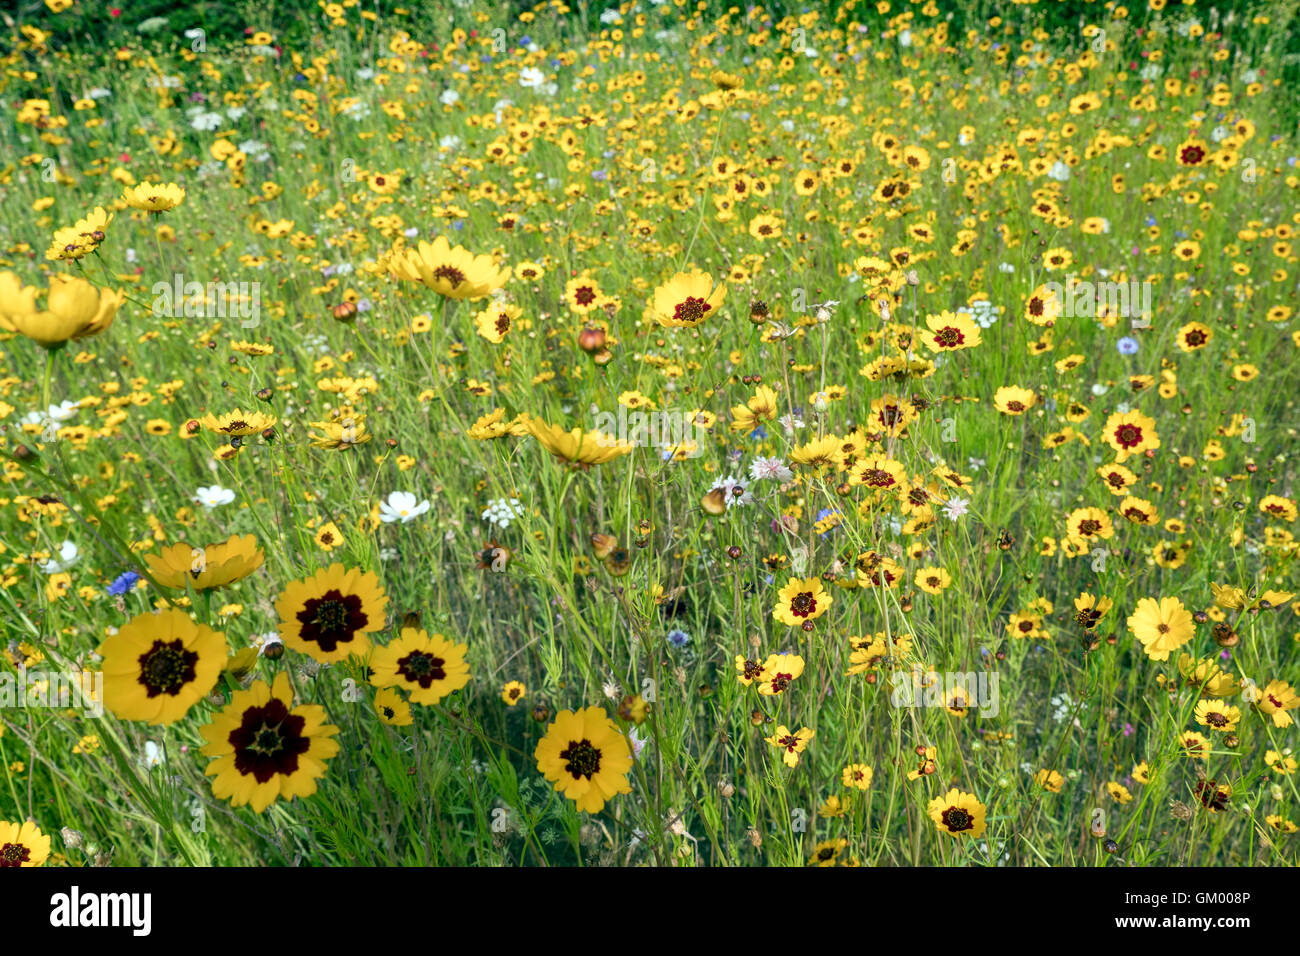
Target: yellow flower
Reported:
point(160, 665)
point(209, 566)
point(1162, 626)
point(265, 748)
point(392, 708)
point(576, 446)
point(791, 744)
point(802, 599)
point(856, 775)
point(332, 613)
point(779, 671)
point(1217, 715)
point(586, 756)
point(152, 197)
point(427, 666)
point(22, 845)
point(74, 309)
point(81, 239)
point(950, 332)
point(513, 692)
point(238, 422)
point(1014, 400)
point(958, 814)
point(1130, 433)
point(1049, 780)
point(451, 271)
point(686, 300)
point(1276, 699)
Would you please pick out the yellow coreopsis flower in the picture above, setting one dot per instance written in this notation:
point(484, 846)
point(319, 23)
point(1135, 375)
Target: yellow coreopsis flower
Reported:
point(802, 599)
point(791, 744)
point(265, 748)
point(74, 309)
point(586, 756)
point(451, 271)
point(22, 845)
point(152, 197)
point(1162, 626)
point(208, 566)
point(958, 814)
point(687, 299)
point(576, 446)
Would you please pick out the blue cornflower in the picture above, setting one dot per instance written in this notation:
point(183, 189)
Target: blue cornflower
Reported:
point(123, 583)
point(1127, 345)
point(678, 638)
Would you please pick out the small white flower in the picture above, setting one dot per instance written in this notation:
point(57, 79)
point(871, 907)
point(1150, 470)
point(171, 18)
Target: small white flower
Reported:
point(68, 556)
point(501, 512)
point(530, 77)
point(449, 97)
point(153, 755)
point(734, 493)
point(213, 496)
point(401, 506)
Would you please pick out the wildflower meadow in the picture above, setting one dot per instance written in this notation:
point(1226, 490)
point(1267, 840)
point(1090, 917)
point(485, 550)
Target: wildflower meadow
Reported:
point(656, 433)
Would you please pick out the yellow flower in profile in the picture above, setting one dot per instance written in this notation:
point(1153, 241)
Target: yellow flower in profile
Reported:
point(1162, 626)
point(74, 309)
point(152, 197)
point(802, 599)
point(818, 453)
point(451, 271)
point(344, 432)
point(238, 422)
point(15, 299)
point(1118, 792)
point(958, 814)
point(81, 239)
point(791, 744)
point(1207, 676)
point(493, 425)
point(392, 708)
point(22, 845)
point(1049, 780)
point(687, 299)
point(208, 566)
point(427, 666)
point(586, 756)
point(576, 446)
point(332, 613)
point(159, 665)
point(265, 748)
point(762, 407)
